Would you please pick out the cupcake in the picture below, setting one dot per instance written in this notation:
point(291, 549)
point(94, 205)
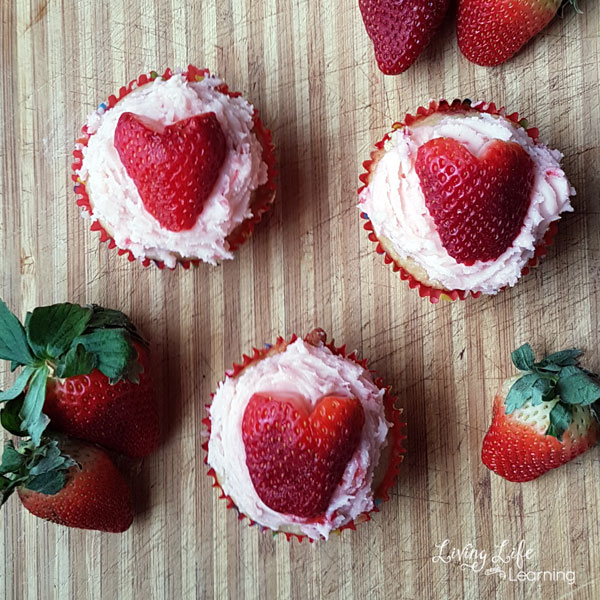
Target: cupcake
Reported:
point(176, 169)
point(303, 439)
point(462, 198)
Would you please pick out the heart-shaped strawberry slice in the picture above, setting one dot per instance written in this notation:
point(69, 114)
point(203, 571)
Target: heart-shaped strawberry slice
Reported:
point(478, 204)
point(174, 168)
point(296, 459)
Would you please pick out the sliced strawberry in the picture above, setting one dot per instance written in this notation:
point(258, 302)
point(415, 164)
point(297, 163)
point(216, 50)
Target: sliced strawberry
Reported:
point(91, 494)
point(400, 29)
point(478, 204)
point(296, 459)
point(174, 169)
point(489, 32)
point(544, 418)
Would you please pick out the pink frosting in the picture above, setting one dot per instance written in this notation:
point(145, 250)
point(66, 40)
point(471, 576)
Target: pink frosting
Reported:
point(115, 198)
point(309, 372)
point(395, 204)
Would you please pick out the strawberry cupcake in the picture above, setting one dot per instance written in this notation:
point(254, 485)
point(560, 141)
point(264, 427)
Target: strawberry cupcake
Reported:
point(303, 439)
point(176, 169)
point(462, 198)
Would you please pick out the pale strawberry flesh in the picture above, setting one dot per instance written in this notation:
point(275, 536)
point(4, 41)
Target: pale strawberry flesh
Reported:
point(478, 204)
point(175, 169)
point(295, 459)
point(400, 29)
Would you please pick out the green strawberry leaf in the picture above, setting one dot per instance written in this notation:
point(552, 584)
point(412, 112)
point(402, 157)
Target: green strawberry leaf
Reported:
point(47, 469)
point(523, 358)
point(7, 487)
point(19, 385)
point(546, 369)
point(41, 468)
point(34, 421)
point(108, 318)
point(11, 470)
point(575, 386)
point(564, 358)
point(52, 329)
point(113, 349)
point(51, 459)
point(560, 419)
point(134, 369)
point(47, 483)
point(13, 340)
point(543, 390)
point(9, 416)
point(12, 460)
point(520, 392)
point(77, 361)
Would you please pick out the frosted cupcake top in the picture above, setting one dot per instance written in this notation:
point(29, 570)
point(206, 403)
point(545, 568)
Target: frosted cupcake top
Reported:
point(309, 373)
point(395, 204)
point(115, 199)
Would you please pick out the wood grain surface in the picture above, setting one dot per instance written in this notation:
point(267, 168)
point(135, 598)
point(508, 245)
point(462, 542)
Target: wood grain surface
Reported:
point(308, 67)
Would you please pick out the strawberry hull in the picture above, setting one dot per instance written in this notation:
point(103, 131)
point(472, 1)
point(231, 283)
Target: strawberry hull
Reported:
point(516, 453)
point(409, 271)
point(95, 496)
point(261, 199)
point(542, 418)
point(122, 417)
point(390, 459)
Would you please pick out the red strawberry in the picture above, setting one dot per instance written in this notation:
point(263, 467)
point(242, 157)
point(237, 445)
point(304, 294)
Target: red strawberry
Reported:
point(490, 31)
point(122, 416)
point(174, 169)
point(69, 483)
point(543, 419)
point(296, 459)
point(477, 203)
point(400, 29)
point(87, 368)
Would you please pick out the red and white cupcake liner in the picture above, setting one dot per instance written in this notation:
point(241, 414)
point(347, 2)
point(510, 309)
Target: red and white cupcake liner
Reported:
point(441, 106)
point(392, 414)
point(263, 197)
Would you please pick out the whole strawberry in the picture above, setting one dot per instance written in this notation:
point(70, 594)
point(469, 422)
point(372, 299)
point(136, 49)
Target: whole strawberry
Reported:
point(174, 169)
point(84, 368)
point(542, 419)
point(400, 29)
point(489, 32)
point(67, 482)
point(296, 459)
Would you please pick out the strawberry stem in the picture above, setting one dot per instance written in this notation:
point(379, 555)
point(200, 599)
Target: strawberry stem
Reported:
point(63, 340)
point(557, 377)
point(573, 4)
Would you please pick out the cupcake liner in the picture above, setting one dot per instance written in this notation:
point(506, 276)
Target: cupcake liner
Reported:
point(263, 196)
point(456, 106)
point(392, 414)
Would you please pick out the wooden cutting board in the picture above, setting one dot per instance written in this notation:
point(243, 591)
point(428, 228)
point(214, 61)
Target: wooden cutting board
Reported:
point(309, 67)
